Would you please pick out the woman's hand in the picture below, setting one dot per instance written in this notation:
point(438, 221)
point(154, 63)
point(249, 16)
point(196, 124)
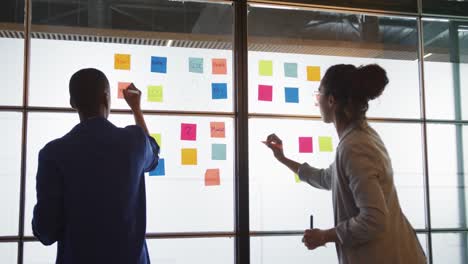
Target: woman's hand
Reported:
point(276, 145)
point(314, 238)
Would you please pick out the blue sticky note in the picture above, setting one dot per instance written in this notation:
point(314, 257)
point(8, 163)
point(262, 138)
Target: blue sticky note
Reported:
point(159, 170)
point(219, 91)
point(196, 65)
point(159, 64)
point(291, 95)
point(290, 70)
point(218, 151)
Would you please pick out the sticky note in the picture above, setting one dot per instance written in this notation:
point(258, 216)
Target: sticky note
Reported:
point(158, 64)
point(160, 170)
point(313, 73)
point(157, 137)
point(218, 151)
point(217, 129)
point(188, 131)
point(296, 178)
point(291, 95)
point(305, 145)
point(265, 68)
point(155, 93)
point(196, 65)
point(189, 156)
point(219, 66)
point(122, 61)
point(122, 86)
point(290, 70)
point(219, 91)
point(265, 93)
point(212, 177)
point(325, 144)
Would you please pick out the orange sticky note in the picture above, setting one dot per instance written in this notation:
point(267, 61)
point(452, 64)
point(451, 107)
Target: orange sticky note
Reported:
point(189, 156)
point(219, 66)
point(122, 61)
point(218, 129)
point(212, 177)
point(313, 73)
point(122, 86)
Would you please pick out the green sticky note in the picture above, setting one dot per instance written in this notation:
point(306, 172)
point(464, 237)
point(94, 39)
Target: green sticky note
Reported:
point(155, 93)
point(218, 151)
point(325, 144)
point(296, 177)
point(157, 137)
point(290, 70)
point(265, 68)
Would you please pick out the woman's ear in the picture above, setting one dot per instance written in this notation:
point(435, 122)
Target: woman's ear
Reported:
point(331, 101)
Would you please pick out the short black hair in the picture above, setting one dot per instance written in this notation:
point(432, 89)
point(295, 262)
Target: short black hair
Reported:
point(87, 87)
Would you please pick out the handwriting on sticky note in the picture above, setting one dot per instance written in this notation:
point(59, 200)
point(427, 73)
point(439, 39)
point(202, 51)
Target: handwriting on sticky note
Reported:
point(313, 73)
point(159, 64)
point(265, 93)
point(188, 131)
point(122, 86)
point(325, 144)
point(196, 65)
point(219, 91)
point(160, 169)
point(122, 61)
point(189, 156)
point(218, 151)
point(305, 145)
point(290, 70)
point(212, 177)
point(157, 137)
point(155, 93)
point(217, 129)
point(219, 66)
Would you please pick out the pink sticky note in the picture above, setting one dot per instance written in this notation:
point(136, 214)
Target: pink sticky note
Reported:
point(305, 145)
point(188, 131)
point(212, 177)
point(217, 129)
point(219, 66)
point(265, 93)
point(122, 86)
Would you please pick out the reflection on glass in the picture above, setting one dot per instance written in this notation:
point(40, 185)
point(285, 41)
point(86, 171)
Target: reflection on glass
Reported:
point(446, 69)
point(290, 50)
point(288, 249)
point(447, 158)
point(8, 252)
point(450, 248)
point(10, 160)
point(11, 51)
point(178, 53)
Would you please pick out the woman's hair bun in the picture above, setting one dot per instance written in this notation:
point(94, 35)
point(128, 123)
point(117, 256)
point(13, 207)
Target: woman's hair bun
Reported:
point(372, 80)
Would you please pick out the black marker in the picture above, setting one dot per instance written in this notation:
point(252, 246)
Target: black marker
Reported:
point(311, 221)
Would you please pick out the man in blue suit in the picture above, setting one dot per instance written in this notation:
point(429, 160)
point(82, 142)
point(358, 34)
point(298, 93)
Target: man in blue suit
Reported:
point(90, 182)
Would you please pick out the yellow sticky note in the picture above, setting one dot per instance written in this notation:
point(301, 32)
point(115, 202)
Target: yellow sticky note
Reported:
point(122, 61)
point(313, 73)
point(265, 68)
point(157, 137)
point(296, 178)
point(189, 156)
point(155, 93)
point(325, 144)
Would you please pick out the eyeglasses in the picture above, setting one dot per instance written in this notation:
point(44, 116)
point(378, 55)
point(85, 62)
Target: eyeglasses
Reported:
point(317, 95)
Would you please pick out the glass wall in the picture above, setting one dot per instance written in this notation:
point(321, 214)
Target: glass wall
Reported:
point(180, 55)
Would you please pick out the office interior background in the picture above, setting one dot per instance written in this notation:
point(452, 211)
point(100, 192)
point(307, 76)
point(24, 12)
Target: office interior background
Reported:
point(217, 77)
